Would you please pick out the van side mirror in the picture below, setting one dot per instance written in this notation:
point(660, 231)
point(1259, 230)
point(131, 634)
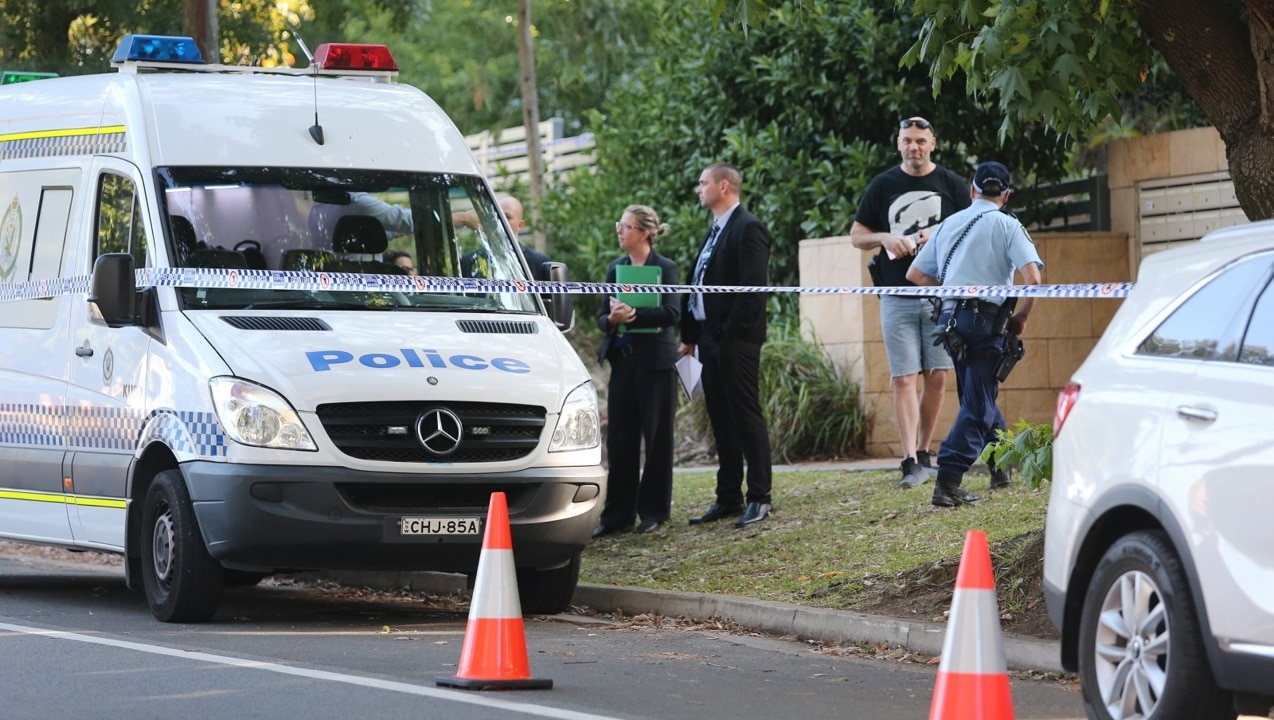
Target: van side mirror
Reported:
point(113, 290)
point(560, 306)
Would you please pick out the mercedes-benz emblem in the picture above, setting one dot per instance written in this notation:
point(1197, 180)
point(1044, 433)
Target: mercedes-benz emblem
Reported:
point(439, 431)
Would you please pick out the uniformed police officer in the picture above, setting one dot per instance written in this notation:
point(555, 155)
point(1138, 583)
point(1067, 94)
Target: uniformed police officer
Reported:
point(979, 245)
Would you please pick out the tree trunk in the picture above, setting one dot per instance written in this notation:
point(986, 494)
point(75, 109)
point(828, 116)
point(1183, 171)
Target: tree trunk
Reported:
point(531, 119)
point(201, 24)
point(1228, 68)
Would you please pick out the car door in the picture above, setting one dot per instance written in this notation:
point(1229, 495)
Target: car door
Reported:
point(1217, 473)
point(108, 370)
point(33, 364)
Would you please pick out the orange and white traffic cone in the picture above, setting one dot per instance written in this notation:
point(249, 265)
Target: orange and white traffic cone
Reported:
point(973, 677)
point(494, 653)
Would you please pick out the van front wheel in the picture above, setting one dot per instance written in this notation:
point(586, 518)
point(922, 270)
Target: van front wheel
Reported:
point(548, 592)
point(183, 582)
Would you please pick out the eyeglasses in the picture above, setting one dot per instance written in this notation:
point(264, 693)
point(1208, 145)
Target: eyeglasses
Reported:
point(915, 122)
point(625, 226)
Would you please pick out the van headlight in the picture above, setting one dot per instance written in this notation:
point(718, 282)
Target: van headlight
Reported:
point(577, 425)
point(255, 415)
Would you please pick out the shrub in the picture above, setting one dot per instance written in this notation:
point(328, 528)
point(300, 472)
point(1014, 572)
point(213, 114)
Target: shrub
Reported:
point(1029, 448)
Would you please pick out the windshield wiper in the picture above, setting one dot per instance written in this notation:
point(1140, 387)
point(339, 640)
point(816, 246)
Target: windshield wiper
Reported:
point(314, 305)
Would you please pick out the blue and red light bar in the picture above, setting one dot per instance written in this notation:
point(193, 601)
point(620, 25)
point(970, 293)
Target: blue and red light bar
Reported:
point(350, 56)
point(158, 48)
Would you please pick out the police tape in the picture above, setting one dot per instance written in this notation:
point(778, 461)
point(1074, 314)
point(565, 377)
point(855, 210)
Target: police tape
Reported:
point(241, 279)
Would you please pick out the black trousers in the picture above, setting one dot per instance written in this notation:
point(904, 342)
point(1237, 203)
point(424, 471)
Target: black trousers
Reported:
point(731, 389)
point(641, 405)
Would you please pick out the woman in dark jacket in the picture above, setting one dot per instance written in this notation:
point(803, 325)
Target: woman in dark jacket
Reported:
point(641, 345)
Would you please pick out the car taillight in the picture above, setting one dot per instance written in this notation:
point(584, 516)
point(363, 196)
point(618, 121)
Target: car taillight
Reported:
point(1065, 401)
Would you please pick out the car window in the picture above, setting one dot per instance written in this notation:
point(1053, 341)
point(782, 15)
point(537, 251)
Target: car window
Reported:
point(1258, 343)
point(1209, 325)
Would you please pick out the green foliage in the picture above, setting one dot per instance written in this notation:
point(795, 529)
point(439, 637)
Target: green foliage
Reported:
point(464, 54)
point(74, 38)
point(1029, 448)
point(806, 105)
point(1071, 65)
point(813, 412)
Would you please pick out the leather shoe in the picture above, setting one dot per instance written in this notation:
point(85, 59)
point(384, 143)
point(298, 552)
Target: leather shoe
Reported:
point(717, 512)
point(755, 513)
point(647, 526)
point(604, 530)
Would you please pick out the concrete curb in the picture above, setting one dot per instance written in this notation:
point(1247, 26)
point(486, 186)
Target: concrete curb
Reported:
point(773, 618)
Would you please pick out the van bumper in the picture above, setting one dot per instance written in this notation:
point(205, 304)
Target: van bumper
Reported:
point(283, 518)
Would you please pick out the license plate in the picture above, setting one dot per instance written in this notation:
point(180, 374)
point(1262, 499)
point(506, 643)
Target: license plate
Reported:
point(440, 526)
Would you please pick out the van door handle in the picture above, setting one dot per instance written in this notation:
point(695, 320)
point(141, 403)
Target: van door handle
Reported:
point(84, 351)
point(1196, 413)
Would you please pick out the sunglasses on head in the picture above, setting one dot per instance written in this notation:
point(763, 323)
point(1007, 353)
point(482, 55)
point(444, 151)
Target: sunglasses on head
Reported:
point(915, 122)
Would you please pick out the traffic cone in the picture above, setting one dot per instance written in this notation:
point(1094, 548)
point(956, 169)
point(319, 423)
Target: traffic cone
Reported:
point(494, 653)
point(973, 677)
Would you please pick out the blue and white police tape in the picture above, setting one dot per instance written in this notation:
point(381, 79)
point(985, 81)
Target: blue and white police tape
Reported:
point(238, 279)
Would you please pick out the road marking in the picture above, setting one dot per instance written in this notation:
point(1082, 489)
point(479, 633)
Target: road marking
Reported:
point(459, 696)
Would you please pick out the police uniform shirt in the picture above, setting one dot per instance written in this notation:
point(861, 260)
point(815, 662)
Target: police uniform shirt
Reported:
point(992, 250)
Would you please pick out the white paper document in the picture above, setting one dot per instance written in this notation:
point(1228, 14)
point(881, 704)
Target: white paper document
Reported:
point(689, 370)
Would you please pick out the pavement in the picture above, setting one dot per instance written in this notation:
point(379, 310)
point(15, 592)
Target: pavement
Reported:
point(772, 618)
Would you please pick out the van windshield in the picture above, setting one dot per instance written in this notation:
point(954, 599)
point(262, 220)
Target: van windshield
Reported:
point(330, 221)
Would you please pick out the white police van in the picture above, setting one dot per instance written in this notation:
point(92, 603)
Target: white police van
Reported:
point(208, 365)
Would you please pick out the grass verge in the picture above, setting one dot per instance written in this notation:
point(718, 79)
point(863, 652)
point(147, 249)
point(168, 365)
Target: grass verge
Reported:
point(839, 539)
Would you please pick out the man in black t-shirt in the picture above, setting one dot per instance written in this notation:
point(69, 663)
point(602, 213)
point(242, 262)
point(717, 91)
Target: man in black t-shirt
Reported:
point(893, 219)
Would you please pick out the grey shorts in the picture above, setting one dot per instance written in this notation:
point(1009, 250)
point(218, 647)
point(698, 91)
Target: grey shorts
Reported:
point(908, 331)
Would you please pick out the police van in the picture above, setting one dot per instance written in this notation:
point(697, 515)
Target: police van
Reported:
point(209, 365)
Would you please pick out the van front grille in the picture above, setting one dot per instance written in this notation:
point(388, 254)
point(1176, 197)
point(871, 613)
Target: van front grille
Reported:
point(387, 431)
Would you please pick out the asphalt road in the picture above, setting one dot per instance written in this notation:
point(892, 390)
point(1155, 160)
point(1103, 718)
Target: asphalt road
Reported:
point(75, 643)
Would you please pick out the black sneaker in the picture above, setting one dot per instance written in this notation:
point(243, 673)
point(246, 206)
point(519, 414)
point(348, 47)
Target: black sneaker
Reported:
point(924, 459)
point(912, 474)
point(953, 496)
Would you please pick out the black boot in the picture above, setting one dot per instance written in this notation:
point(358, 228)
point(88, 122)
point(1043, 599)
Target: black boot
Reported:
point(948, 493)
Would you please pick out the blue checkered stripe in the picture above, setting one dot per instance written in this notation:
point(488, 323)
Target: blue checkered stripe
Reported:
point(103, 428)
point(187, 433)
point(38, 425)
point(62, 145)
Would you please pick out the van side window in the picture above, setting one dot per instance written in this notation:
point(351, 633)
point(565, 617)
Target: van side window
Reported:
point(120, 220)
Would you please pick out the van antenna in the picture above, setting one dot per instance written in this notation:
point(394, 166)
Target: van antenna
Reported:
point(316, 130)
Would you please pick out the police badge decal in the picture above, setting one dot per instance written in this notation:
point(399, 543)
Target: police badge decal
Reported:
point(10, 239)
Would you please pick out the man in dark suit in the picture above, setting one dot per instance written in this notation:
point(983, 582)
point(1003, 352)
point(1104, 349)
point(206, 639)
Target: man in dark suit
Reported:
point(729, 329)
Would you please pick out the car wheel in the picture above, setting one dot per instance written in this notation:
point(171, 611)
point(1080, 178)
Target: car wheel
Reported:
point(1141, 651)
point(548, 592)
point(183, 582)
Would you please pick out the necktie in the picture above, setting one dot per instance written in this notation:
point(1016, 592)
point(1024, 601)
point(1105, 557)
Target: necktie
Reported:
point(704, 257)
point(702, 265)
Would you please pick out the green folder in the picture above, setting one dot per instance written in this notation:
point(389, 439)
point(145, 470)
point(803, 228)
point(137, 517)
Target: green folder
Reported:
point(638, 275)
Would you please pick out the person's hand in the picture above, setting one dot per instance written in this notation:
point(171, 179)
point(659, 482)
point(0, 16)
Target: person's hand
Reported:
point(1017, 324)
point(921, 237)
point(621, 313)
point(900, 245)
point(685, 349)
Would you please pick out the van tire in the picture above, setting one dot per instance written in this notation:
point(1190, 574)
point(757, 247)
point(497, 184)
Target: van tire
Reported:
point(183, 582)
point(548, 592)
point(1169, 642)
